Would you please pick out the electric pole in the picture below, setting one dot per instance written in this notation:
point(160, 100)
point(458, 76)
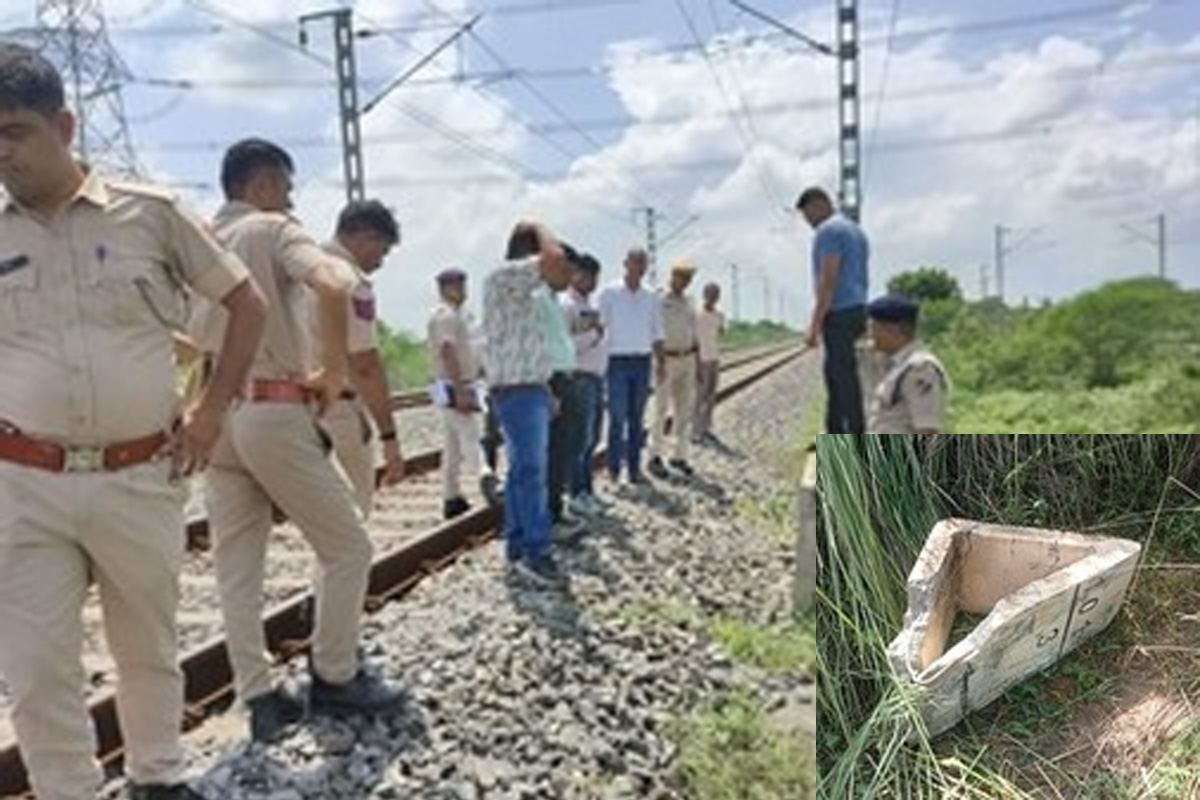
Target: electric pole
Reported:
point(849, 142)
point(1159, 239)
point(1000, 253)
point(73, 35)
point(733, 292)
point(651, 241)
point(849, 100)
point(343, 39)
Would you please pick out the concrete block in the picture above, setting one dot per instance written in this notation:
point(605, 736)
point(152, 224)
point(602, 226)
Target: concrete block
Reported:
point(805, 576)
point(1033, 596)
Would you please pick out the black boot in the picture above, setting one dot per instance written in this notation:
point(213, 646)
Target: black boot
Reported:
point(455, 506)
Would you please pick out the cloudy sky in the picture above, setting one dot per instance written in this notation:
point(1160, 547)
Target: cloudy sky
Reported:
point(1071, 124)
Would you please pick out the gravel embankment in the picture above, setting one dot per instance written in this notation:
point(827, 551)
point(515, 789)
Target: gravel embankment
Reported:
point(518, 693)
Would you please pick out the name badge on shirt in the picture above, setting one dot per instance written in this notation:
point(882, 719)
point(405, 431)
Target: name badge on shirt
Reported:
point(13, 264)
point(364, 308)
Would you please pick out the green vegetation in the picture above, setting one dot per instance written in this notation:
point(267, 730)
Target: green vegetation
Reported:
point(785, 648)
point(738, 335)
point(730, 751)
point(406, 358)
point(1120, 358)
point(879, 497)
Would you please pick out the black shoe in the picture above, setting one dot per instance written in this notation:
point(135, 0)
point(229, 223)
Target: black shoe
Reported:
point(542, 572)
point(681, 466)
point(163, 791)
point(656, 468)
point(489, 487)
point(454, 507)
point(365, 693)
point(273, 711)
point(637, 478)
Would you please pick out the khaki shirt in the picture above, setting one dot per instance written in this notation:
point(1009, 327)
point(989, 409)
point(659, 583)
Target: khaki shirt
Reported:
point(360, 314)
point(280, 255)
point(912, 394)
point(88, 300)
point(679, 322)
point(449, 324)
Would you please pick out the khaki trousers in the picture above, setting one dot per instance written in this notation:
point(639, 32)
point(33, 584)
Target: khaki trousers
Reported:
point(706, 396)
point(675, 394)
point(461, 449)
point(59, 532)
point(353, 450)
point(271, 452)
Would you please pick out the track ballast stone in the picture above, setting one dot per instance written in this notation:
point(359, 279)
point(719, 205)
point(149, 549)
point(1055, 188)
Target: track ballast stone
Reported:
point(519, 693)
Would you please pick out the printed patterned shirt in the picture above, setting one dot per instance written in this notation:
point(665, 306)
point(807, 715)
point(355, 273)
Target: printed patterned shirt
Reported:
point(516, 341)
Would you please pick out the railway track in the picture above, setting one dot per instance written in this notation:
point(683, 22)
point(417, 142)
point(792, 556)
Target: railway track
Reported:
point(410, 541)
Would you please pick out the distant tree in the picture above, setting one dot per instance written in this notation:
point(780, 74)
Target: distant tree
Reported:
point(925, 284)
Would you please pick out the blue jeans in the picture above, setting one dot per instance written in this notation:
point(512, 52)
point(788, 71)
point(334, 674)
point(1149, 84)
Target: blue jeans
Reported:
point(628, 388)
point(524, 414)
point(590, 395)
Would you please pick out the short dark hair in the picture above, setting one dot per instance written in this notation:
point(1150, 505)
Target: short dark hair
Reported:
point(588, 263)
point(28, 81)
point(811, 195)
point(523, 242)
point(244, 159)
point(368, 215)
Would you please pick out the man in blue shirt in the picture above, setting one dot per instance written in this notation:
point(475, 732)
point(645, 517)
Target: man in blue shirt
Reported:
point(839, 266)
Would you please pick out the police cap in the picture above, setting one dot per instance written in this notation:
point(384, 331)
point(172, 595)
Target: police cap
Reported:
point(892, 308)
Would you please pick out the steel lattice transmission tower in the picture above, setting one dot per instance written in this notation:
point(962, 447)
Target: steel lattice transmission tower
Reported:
point(73, 35)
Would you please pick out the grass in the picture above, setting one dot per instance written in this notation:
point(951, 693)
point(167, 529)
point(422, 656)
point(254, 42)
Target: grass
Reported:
point(736, 747)
point(878, 499)
point(731, 751)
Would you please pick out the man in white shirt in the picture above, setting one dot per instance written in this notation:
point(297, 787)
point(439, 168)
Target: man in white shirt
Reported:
point(710, 323)
point(632, 319)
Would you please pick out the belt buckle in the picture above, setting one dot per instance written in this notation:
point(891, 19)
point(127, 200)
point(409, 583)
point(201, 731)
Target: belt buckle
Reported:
point(83, 459)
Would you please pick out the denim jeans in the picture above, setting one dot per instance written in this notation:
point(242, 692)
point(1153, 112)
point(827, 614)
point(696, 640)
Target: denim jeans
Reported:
point(840, 329)
point(628, 388)
point(590, 396)
point(524, 414)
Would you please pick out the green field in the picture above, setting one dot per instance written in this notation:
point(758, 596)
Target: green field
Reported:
point(1114, 720)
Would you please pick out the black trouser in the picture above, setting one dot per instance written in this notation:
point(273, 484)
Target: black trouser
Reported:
point(492, 437)
point(840, 330)
point(566, 433)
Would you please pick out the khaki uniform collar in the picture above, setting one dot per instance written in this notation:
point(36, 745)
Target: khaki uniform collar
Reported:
point(904, 353)
point(336, 248)
point(93, 190)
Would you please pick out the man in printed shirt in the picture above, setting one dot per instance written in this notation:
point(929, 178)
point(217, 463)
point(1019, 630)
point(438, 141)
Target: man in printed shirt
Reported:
point(518, 373)
point(673, 392)
point(90, 277)
point(271, 453)
point(366, 231)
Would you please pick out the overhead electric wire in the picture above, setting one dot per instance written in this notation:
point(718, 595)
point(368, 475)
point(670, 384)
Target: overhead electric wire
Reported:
point(883, 87)
point(774, 199)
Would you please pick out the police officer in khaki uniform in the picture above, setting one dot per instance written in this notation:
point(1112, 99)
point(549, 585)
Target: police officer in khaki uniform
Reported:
point(90, 277)
point(271, 453)
point(366, 231)
point(677, 373)
point(911, 398)
point(456, 370)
